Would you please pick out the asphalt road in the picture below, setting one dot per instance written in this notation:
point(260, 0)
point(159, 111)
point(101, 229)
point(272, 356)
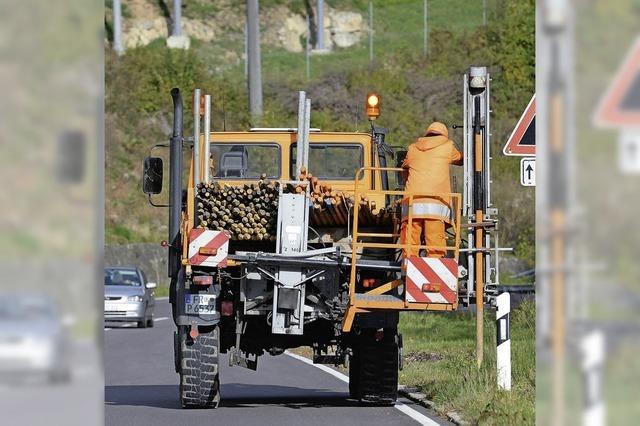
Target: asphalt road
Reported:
point(141, 387)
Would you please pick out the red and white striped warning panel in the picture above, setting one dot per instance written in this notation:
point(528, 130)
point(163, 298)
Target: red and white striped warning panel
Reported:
point(208, 248)
point(432, 280)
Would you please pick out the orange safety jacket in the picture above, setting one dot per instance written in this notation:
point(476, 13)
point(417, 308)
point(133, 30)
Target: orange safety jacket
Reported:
point(427, 164)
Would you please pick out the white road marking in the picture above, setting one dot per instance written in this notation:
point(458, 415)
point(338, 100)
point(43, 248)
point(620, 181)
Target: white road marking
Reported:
point(162, 298)
point(107, 329)
point(415, 415)
point(324, 368)
point(160, 319)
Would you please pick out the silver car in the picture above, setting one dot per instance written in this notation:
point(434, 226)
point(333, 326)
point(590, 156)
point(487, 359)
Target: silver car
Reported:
point(128, 296)
point(33, 340)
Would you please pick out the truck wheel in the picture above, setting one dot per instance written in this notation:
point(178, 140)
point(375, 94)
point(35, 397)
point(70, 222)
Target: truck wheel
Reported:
point(354, 374)
point(378, 382)
point(199, 370)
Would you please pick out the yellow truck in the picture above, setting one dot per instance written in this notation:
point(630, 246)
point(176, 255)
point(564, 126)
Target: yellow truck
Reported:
point(268, 253)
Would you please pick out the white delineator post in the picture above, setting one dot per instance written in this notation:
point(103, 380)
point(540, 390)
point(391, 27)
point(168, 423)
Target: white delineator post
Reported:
point(503, 334)
point(593, 352)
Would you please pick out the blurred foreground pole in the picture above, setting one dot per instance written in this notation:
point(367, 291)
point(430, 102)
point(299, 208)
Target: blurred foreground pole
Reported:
point(555, 198)
point(177, 18)
point(370, 33)
point(503, 341)
point(320, 27)
point(253, 50)
point(117, 27)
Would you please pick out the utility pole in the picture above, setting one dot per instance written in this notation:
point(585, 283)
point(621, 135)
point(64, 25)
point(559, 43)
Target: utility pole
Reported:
point(253, 50)
point(426, 29)
point(320, 27)
point(246, 52)
point(370, 33)
point(484, 12)
point(177, 18)
point(117, 27)
point(307, 54)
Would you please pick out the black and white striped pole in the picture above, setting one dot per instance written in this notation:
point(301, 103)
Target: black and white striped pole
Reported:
point(503, 334)
point(593, 356)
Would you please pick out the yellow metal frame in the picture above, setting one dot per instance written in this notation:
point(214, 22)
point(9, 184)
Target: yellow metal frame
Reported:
point(361, 306)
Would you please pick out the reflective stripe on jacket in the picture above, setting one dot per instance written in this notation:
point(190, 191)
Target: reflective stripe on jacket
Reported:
point(430, 210)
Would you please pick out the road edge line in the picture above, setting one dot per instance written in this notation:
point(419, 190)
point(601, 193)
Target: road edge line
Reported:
point(403, 408)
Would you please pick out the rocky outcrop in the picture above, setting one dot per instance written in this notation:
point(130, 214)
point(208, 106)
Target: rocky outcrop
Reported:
point(139, 33)
point(280, 27)
point(346, 28)
point(341, 29)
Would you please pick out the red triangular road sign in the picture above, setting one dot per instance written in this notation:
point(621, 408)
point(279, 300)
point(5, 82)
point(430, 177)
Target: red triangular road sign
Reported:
point(522, 141)
point(620, 106)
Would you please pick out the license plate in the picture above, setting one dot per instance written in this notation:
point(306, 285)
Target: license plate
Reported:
point(199, 303)
point(110, 307)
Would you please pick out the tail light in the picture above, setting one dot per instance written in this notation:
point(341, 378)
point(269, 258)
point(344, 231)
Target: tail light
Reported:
point(203, 280)
point(226, 308)
point(368, 282)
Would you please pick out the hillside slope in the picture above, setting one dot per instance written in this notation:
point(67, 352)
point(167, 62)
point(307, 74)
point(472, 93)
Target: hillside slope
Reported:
point(416, 90)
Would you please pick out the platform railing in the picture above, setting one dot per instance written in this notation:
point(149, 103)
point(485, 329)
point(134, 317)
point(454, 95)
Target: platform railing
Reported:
point(405, 198)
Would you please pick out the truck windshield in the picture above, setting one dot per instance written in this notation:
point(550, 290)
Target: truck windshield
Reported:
point(245, 161)
point(331, 161)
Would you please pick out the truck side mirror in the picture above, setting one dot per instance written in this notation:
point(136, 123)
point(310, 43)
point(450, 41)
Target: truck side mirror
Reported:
point(152, 176)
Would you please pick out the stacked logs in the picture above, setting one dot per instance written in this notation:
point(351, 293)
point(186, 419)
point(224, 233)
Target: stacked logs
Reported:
point(247, 212)
point(334, 208)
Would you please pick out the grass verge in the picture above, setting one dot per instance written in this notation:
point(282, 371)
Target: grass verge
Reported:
point(440, 361)
point(162, 290)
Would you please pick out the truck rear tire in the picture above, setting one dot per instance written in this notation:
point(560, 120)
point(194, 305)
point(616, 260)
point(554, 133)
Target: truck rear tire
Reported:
point(199, 369)
point(377, 375)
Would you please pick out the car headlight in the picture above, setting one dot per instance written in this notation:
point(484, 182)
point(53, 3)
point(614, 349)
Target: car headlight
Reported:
point(134, 299)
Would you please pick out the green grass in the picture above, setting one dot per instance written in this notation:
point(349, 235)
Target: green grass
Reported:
point(450, 377)
point(162, 290)
point(398, 32)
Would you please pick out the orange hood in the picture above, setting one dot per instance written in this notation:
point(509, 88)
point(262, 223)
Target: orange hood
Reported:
point(426, 143)
point(436, 135)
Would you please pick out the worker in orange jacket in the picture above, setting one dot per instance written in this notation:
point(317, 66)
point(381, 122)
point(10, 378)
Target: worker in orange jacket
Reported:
point(427, 172)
